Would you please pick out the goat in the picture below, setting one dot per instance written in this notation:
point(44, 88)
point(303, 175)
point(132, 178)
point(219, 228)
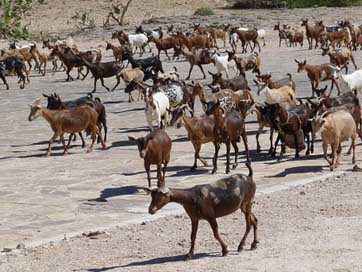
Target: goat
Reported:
point(196, 57)
point(335, 128)
point(118, 51)
point(336, 38)
point(266, 80)
point(196, 41)
point(41, 56)
point(283, 94)
point(137, 40)
point(294, 36)
point(70, 60)
point(2, 74)
point(164, 44)
point(155, 148)
point(210, 201)
point(351, 82)
point(200, 130)
point(355, 32)
point(157, 106)
point(17, 65)
point(156, 33)
point(56, 103)
point(103, 70)
point(67, 121)
point(228, 130)
point(340, 57)
point(215, 33)
point(222, 63)
point(282, 34)
point(252, 62)
point(289, 121)
point(263, 114)
point(318, 73)
point(150, 62)
point(235, 84)
point(131, 78)
point(247, 37)
point(313, 32)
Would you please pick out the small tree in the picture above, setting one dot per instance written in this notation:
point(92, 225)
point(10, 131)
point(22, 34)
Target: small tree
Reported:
point(117, 12)
point(11, 14)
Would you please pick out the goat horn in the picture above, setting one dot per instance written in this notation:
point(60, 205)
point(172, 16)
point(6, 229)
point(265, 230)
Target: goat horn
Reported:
point(148, 190)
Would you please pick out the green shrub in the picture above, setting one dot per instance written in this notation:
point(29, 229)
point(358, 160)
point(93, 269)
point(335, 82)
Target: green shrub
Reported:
point(204, 11)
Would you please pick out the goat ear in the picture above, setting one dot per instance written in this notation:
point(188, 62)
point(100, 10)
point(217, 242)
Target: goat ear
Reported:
point(45, 95)
point(211, 74)
point(163, 190)
point(133, 139)
point(296, 61)
point(305, 62)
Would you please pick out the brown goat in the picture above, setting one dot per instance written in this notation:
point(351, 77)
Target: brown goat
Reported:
point(267, 79)
point(164, 44)
point(340, 57)
point(67, 121)
point(228, 129)
point(313, 32)
point(196, 57)
point(235, 84)
point(155, 148)
point(336, 38)
point(210, 201)
point(318, 73)
point(247, 37)
point(252, 62)
point(200, 130)
point(194, 41)
point(282, 33)
point(118, 51)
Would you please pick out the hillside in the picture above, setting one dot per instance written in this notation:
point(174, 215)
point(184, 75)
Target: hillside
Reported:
point(58, 16)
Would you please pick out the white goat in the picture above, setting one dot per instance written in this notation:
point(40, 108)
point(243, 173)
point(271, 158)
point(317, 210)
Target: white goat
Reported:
point(137, 40)
point(157, 106)
point(222, 63)
point(351, 82)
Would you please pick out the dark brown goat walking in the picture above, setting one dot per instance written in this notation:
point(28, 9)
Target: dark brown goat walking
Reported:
point(210, 201)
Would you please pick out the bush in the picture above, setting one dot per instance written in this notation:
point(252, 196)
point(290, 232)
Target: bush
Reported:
point(293, 3)
point(204, 11)
point(11, 14)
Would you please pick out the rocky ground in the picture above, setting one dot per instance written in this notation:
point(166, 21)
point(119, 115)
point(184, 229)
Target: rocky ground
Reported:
point(309, 228)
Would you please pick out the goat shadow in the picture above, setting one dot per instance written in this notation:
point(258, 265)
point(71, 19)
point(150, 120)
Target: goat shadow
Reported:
point(113, 192)
point(298, 170)
point(128, 110)
point(133, 130)
point(160, 260)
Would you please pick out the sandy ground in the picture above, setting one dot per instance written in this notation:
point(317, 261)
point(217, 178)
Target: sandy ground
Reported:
point(47, 199)
point(308, 228)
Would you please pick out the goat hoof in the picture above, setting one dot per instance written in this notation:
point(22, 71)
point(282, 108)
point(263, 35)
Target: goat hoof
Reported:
point(213, 171)
point(227, 171)
point(240, 248)
point(225, 252)
point(254, 245)
point(234, 166)
point(47, 154)
point(89, 150)
point(193, 168)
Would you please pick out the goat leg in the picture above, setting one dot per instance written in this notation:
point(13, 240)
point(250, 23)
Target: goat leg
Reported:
point(63, 142)
point(195, 224)
point(271, 141)
point(159, 175)
point(227, 171)
point(296, 146)
point(214, 160)
point(191, 67)
point(202, 70)
point(115, 86)
point(102, 81)
point(245, 141)
point(213, 224)
point(236, 151)
point(81, 137)
point(147, 168)
point(247, 215)
point(52, 139)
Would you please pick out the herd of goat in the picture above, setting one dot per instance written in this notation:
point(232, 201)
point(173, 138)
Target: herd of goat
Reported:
point(170, 101)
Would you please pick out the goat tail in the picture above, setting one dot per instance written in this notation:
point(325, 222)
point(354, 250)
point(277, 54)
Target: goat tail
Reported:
point(290, 76)
point(248, 165)
point(175, 69)
point(98, 99)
